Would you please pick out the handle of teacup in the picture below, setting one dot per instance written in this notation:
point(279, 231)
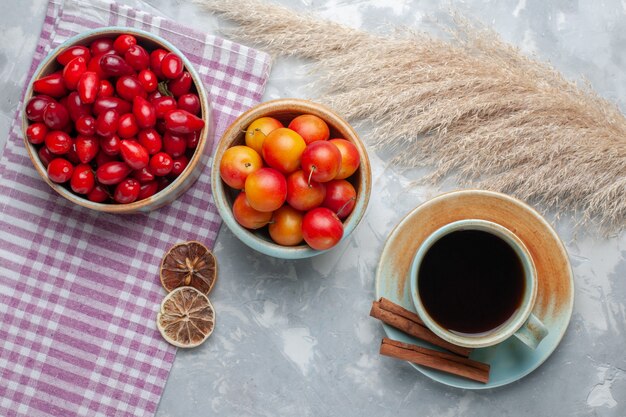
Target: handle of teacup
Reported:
point(532, 332)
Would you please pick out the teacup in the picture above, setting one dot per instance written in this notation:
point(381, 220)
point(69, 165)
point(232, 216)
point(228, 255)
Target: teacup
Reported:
point(474, 284)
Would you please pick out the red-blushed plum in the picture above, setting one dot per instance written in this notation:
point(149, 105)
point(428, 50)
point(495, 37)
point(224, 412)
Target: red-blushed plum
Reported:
point(321, 228)
point(286, 226)
point(258, 130)
point(247, 216)
point(266, 189)
point(321, 161)
point(237, 163)
point(340, 197)
point(302, 194)
point(310, 127)
point(350, 159)
point(282, 150)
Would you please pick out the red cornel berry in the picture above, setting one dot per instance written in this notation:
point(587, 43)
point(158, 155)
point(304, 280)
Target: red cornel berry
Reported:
point(36, 133)
point(36, 106)
point(175, 145)
point(148, 80)
point(74, 52)
point(103, 104)
point(76, 107)
point(190, 103)
point(172, 66)
point(127, 191)
point(137, 57)
point(58, 142)
point(115, 66)
point(151, 140)
point(55, 116)
point(86, 125)
point(73, 71)
point(98, 194)
point(123, 43)
point(180, 85)
point(101, 46)
point(135, 155)
point(144, 112)
point(112, 172)
point(156, 59)
point(51, 85)
point(128, 127)
point(148, 189)
point(161, 164)
point(88, 86)
point(83, 180)
point(87, 148)
point(163, 105)
point(105, 89)
point(60, 170)
point(115, 120)
point(106, 123)
point(181, 121)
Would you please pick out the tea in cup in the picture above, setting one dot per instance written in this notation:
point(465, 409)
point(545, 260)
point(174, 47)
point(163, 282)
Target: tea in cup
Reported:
point(474, 284)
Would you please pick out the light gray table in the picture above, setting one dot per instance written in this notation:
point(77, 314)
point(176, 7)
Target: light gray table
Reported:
point(294, 338)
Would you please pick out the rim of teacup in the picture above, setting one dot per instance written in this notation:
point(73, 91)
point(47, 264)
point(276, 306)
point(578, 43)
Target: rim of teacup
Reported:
point(511, 325)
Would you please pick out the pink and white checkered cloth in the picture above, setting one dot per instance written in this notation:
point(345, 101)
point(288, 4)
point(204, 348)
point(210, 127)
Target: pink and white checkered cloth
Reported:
point(79, 290)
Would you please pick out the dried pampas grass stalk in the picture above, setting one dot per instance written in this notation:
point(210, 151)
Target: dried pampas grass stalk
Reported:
point(471, 106)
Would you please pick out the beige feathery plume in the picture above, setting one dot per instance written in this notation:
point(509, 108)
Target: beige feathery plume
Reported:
point(471, 106)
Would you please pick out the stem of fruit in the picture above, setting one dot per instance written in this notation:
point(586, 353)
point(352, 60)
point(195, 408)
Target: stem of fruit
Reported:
point(310, 176)
point(344, 205)
point(256, 129)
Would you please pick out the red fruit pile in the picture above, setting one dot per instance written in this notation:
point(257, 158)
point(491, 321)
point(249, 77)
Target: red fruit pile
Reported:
point(117, 122)
point(295, 180)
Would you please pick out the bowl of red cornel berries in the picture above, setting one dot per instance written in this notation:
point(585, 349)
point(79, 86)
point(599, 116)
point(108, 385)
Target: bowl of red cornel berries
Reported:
point(291, 178)
point(117, 119)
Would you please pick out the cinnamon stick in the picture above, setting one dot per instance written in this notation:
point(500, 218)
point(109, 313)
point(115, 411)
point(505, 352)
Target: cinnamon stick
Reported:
point(443, 361)
point(408, 322)
point(390, 306)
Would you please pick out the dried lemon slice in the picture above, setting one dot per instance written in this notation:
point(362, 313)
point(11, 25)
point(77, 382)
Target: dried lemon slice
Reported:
point(189, 264)
point(187, 317)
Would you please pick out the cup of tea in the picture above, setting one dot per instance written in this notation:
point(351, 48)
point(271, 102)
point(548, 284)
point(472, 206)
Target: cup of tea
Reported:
point(474, 284)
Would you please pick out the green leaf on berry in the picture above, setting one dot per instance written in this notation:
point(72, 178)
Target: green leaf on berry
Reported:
point(162, 87)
